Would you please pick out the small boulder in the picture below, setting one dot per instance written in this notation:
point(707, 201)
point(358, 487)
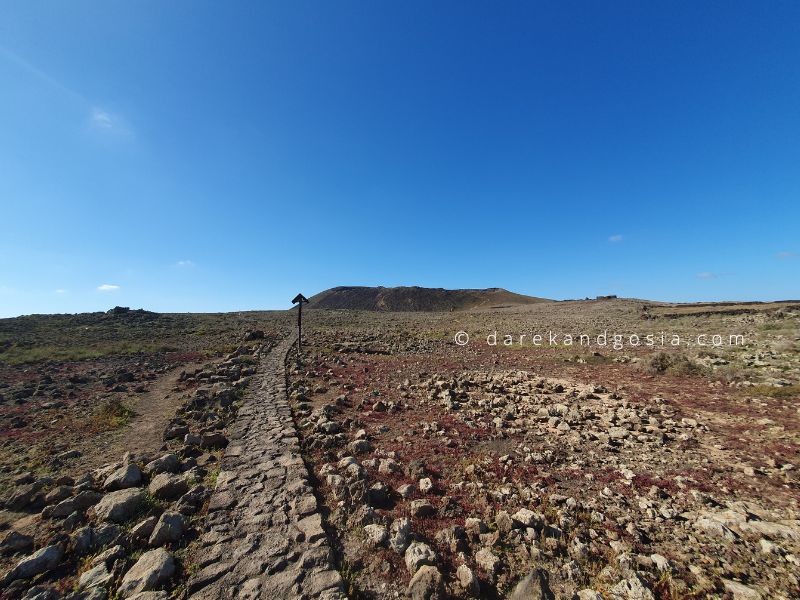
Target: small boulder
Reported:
point(633, 588)
point(661, 562)
point(43, 592)
point(152, 570)
point(453, 537)
point(359, 447)
point(475, 526)
point(534, 586)
point(168, 487)
point(40, 561)
point(426, 584)
point(378, 495)
point(24, 478)
point(13, 541)
point(107, 557)
point(739, 591)
point(467, 580)
point(192, 500)
point(144, 529)
point(389, 466)
point(170, 528)
point(175, 430)
point(168, 463)
point(119, 506)
point(399, 536)
point(82, 541)
point(488, 561)
point(77, 503)
point(106, 534)
point(526, 518)
point(618, 433)
point(417, 555)
point(376, 534)
point(421, 508)
point(406, 490)
point(95, 577)
point(24, 495)
point(58, 494)
point(503, 522)
point(127, 476)
point(213, 440)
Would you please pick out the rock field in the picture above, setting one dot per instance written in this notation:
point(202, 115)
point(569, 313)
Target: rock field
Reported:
point(388, 462)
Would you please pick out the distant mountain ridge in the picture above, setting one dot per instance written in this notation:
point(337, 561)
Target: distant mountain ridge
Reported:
point(415, 299)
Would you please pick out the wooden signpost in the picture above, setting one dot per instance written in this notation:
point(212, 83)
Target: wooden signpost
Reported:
point(299, 300)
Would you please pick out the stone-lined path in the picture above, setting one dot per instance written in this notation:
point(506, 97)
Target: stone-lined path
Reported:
point(264, 535)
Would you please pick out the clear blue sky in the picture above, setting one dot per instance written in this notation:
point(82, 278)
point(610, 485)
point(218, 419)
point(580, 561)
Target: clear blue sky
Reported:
point(194, 156)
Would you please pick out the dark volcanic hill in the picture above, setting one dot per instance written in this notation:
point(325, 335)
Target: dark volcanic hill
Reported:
point(415, 299)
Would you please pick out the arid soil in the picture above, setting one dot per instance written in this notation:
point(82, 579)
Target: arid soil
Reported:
point(487, 470)
point(107, 385)
point(639, 473)
point(135, 396)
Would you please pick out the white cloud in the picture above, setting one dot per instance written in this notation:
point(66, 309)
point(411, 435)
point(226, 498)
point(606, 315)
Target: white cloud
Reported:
point(102, 119)
point(184, 264)
point(99, 119)
point(109, 123)
point(617, 237)
point(784, 255)
point(61, 291)
point(107, 287)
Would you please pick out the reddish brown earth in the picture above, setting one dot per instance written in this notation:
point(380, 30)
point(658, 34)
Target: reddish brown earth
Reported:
point(639, 473)
point(729, 442)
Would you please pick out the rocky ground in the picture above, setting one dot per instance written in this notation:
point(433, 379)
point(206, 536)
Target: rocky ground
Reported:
point(494, 471)
point(403, 464)
point(105, 386)
point(109, 461)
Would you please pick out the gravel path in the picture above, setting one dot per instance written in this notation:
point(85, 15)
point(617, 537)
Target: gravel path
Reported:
point(264, 536)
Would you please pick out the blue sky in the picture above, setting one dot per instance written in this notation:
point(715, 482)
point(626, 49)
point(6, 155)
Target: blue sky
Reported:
point(207, 156)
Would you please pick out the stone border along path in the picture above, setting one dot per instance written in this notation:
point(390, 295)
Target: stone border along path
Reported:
point(263, 533)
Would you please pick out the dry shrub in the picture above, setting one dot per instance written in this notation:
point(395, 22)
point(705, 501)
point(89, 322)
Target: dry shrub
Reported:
point(114, 414)
point(673, 364)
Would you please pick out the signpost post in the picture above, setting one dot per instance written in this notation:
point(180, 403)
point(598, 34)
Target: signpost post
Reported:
point(299, 300)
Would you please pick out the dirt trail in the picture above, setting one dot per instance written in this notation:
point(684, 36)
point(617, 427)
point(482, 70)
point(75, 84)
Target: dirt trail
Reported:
point(143, 433)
